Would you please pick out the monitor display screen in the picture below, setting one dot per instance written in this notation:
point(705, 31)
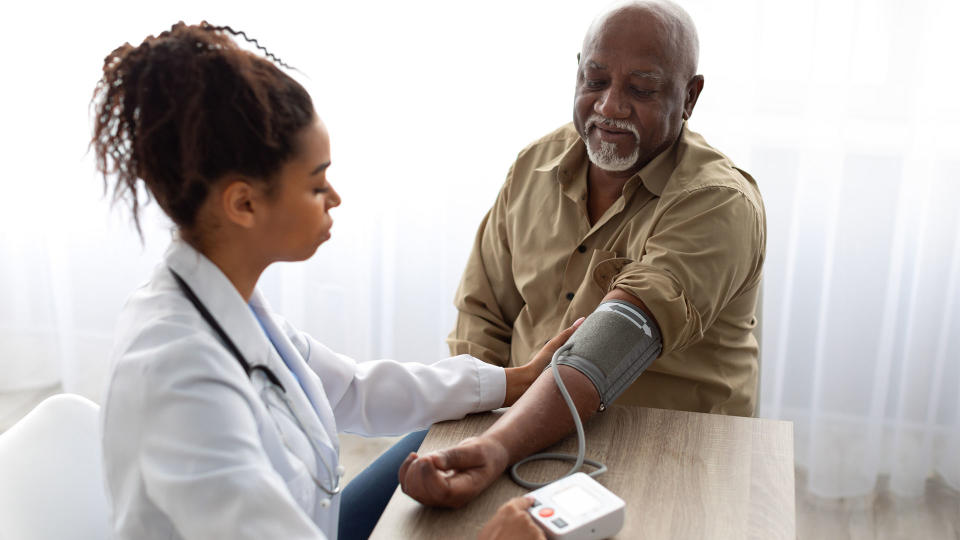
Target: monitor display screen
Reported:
point(575, 501)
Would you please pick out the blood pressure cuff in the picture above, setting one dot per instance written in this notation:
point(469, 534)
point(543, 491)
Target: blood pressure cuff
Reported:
point(612, 347)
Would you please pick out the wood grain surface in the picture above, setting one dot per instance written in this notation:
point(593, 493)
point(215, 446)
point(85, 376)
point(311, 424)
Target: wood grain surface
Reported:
point(682, 474)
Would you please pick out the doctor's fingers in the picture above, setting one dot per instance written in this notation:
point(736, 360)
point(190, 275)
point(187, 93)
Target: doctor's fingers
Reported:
point(561, 338)
point(541, 358)
point(512, 521)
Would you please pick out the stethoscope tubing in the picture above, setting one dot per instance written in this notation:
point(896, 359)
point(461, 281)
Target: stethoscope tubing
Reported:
point(336, 474)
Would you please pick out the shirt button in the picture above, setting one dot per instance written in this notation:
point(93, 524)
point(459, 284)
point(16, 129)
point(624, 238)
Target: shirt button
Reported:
point(582, 249)
point(569, 296)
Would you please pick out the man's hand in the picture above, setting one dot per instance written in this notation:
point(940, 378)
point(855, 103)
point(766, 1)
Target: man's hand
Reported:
point(454, 476)
point(512, 522)
point(520, 378)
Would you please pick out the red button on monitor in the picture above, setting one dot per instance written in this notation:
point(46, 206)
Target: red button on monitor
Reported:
point(546, 512)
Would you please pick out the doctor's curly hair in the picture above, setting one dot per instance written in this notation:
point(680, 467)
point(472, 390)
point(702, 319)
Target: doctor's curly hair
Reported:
point(186, 107)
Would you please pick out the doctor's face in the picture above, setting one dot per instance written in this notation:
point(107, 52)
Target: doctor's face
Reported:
point(298, 218)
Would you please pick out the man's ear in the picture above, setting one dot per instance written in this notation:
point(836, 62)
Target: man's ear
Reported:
point(694, 87)
point(238, 201)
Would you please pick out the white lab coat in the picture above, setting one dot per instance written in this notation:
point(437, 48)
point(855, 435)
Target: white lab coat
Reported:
point(192, 451)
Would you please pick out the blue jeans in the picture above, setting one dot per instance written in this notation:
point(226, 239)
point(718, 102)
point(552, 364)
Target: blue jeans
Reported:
point(363, 500)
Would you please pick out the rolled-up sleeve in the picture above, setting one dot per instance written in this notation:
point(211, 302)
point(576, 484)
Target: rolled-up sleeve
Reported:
point(704, 248)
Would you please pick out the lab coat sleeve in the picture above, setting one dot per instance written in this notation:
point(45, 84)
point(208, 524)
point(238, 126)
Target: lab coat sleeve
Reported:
point(201, 457)
point(386, 397)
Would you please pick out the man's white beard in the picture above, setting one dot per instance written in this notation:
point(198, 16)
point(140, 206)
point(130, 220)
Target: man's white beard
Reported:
point(607, 158)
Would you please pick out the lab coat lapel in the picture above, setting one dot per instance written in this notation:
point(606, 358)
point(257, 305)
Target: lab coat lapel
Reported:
point(222, 300)
point(311, 398)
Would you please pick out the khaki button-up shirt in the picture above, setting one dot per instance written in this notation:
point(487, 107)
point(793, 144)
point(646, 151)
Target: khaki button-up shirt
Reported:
point(687, 237)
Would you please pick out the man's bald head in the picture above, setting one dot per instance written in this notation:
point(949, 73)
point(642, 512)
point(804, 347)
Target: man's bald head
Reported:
point(672, 23)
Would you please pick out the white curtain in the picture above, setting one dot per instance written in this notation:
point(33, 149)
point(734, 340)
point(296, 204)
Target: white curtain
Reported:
point(842, 110)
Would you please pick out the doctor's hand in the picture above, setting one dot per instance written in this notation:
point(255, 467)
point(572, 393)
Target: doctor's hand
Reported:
point(512, 522)
point(453, 476)
point(520, 378)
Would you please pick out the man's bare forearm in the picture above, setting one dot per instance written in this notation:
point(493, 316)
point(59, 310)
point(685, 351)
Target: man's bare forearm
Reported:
point(540, 417)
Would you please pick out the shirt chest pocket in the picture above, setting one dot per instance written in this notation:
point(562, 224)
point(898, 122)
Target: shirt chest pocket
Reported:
point(579, 277)
point(580, 280)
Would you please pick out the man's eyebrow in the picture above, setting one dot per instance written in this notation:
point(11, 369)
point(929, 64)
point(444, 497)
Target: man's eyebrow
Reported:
point(320, 168)
point(655, 77)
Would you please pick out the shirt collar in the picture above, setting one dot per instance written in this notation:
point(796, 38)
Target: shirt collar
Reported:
point(567, 161)
point(654, 174)
point(658, 171)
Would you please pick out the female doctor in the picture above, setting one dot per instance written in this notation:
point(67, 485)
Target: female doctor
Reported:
point(221, 419)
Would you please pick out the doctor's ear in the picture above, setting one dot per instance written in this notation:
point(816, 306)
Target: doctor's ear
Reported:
point(238, 201)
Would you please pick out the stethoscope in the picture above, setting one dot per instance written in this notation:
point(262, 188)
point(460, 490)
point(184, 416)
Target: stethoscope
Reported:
point(275, 385)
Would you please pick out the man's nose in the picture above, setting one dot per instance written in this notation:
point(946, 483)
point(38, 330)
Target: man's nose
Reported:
point(612, 104)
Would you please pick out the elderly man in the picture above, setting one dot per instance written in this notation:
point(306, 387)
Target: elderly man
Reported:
point(625, 205)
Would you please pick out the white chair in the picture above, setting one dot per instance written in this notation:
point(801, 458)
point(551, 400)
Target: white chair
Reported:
point(51, 478)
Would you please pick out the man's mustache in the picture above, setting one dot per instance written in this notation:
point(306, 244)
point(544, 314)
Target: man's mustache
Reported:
point(596, 119)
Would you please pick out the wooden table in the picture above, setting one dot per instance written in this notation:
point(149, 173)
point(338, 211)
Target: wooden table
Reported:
point(682, 475)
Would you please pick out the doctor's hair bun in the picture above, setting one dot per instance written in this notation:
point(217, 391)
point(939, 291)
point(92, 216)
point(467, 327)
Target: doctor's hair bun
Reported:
point(186, 107)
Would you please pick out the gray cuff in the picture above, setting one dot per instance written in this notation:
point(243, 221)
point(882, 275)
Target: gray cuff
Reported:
point(612, 347)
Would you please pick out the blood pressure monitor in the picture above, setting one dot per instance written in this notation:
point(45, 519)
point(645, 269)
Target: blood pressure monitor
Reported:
point(577, 507)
